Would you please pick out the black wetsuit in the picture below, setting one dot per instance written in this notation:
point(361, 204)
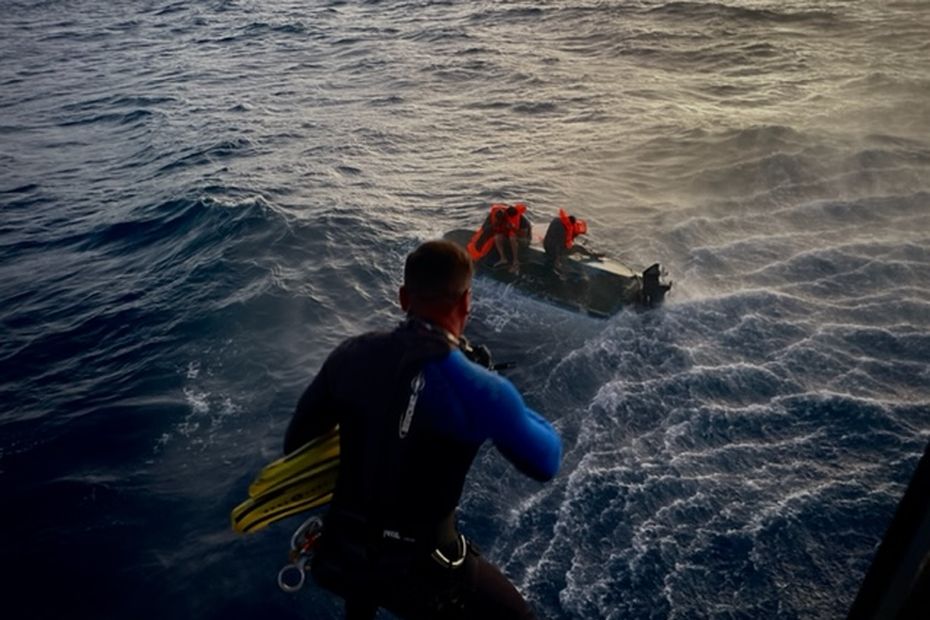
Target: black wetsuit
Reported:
point(413, 413)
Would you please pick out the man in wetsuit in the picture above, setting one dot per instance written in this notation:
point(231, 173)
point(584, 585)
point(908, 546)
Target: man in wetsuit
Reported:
point(412, 412)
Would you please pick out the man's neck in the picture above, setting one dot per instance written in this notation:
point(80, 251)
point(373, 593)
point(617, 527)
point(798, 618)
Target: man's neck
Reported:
point(439, 326)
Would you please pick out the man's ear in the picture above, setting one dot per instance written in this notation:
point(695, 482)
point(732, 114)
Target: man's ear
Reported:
point(404, 298)
point(465, 302)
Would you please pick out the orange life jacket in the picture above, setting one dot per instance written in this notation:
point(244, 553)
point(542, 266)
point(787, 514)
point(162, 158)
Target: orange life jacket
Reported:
point(511, 224)
point(483, 239)
point(514, 221)
point(580, 227)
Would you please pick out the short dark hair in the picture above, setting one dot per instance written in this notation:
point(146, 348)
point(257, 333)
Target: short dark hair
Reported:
point(511, 210)
point(438, 270)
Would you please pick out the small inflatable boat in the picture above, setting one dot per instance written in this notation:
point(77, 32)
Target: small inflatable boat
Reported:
point(599, 287)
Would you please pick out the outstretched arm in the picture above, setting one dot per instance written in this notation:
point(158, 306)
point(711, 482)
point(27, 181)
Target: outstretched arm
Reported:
point(523, 436)
point(495, 410)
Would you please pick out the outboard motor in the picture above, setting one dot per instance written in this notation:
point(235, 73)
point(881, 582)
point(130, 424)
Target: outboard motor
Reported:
point(654, 289)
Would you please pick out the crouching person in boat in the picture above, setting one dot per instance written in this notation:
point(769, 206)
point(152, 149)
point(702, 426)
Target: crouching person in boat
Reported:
point(506, 228)
point(413, 413)
point(560, 237)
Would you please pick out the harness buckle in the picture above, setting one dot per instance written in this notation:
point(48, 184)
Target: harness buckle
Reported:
point(448, 563)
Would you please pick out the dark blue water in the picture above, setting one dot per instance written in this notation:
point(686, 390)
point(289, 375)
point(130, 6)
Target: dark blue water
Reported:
point(199, 200)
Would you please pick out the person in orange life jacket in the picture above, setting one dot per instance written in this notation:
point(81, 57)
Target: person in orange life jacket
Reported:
point(413, 413)
point(504, 226)
point(560, 237)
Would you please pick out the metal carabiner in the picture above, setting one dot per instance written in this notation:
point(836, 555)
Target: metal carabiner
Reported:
point(302, 543)
point(306, 533)
point(301, 567)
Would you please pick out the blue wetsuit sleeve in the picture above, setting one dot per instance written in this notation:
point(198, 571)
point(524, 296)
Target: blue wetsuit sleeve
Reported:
point(493, 409)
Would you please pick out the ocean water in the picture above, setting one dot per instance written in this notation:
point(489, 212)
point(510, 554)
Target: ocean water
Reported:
point(198, 200)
